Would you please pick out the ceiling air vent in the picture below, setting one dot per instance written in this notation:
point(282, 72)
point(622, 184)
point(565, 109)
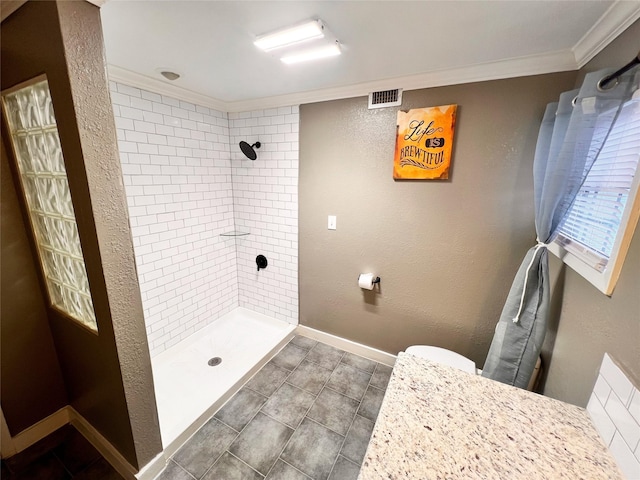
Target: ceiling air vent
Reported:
point(385, 98)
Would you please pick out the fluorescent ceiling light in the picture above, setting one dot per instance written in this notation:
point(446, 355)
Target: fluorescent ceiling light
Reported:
point(290, 36)
point(330, 50)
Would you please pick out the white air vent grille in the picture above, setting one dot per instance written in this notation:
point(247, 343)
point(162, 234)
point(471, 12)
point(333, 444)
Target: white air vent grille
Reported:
point(385, 98)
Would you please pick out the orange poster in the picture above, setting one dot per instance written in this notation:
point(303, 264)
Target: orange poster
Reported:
point(424, 141)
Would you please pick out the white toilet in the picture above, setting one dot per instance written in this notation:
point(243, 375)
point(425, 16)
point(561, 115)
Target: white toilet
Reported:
point(455, 360)
point(444, 357)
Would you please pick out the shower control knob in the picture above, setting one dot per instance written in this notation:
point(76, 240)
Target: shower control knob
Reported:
point(261, 262)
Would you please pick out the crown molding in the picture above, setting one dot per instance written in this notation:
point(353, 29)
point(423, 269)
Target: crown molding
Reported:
point(133, 79)
point(516, 67)
point(560, 61)
point(612, 23)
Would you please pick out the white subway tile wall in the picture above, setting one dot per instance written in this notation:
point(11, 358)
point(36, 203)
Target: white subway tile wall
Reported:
point(265, 197)
point(177, 172)
point(614, 408)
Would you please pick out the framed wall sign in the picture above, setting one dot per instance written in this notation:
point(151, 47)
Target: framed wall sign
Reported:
point(424, 141)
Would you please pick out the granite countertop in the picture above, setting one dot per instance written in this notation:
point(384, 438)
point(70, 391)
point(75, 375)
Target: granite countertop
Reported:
point(437, 422)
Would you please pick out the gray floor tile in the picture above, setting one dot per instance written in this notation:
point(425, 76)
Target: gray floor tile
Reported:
point(303, 342)
point(304, 374)
point(289, 357)
point(173, 471)
point(325, 355)
point(380, 378)
point(349, 381)
point(32, 454)
point(229, 467)
point(61, 455)
point(309, 376)
point(241, 408)
point(76, 452)
point(99, 470)
point(355, 445)
point(284, 471)
point(288, 405)
point(204, 448)
point(268, 379)
point(313, 449)
point(344, 470)
point(47, 466)
point(359, 362)
point(371, 402)
point(334, 410)
point(261, 442)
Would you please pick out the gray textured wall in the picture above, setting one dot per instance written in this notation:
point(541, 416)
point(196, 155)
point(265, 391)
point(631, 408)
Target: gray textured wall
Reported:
point(82, 38)
point(108, 375)
point(32, 385)
point(587, 323)
point(446, 251)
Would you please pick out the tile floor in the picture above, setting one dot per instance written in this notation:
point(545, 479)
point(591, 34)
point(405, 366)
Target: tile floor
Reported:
point(307, 414)
point(63, 455)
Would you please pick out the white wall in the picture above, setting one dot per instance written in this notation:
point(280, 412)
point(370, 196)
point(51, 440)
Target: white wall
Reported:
point(265, 197)
point(187, 182)
point(177, 174)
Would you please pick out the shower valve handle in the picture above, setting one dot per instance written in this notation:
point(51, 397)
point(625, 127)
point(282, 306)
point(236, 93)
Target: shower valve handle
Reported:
point(261, 262)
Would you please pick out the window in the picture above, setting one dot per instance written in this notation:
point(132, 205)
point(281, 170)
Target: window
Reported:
point(36, 145)
point(598, 228)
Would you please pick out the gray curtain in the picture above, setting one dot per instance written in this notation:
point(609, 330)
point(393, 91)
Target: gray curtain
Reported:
point(570, 138)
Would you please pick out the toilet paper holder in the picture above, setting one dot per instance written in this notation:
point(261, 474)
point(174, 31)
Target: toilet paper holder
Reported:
point(375, 280)
point(368, 281)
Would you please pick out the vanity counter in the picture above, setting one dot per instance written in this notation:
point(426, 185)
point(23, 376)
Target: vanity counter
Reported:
point(437, 422)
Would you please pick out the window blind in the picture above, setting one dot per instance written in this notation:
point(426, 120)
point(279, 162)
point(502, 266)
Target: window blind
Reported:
point(591, 226)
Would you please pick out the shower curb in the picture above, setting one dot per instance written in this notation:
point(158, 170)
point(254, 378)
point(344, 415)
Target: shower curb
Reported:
point(153, 468)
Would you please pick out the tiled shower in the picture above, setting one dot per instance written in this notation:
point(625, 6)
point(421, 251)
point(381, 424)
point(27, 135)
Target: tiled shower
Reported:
point(187, 183)
point(265, 202)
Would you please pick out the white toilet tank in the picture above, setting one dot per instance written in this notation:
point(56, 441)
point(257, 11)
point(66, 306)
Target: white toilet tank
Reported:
point(443, 356)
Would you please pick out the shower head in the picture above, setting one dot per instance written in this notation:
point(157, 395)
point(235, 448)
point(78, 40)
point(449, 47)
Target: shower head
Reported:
point(248, 150)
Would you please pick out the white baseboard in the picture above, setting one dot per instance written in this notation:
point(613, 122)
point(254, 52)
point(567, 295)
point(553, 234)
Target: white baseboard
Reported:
point(152, 469)
point(39, 430)
point(108, 451)
point(7, 448)
point(56, 420)
point(348, 346)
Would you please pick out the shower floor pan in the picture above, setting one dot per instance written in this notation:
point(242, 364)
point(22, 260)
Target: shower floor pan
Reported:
point(194, 377)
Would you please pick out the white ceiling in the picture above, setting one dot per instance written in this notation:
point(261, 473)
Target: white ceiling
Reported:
point(386, 44)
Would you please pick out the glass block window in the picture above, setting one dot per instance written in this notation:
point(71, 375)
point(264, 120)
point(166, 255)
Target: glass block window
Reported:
point(36, 144)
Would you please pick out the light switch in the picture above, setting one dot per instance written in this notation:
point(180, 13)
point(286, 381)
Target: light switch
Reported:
point(331, 224)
